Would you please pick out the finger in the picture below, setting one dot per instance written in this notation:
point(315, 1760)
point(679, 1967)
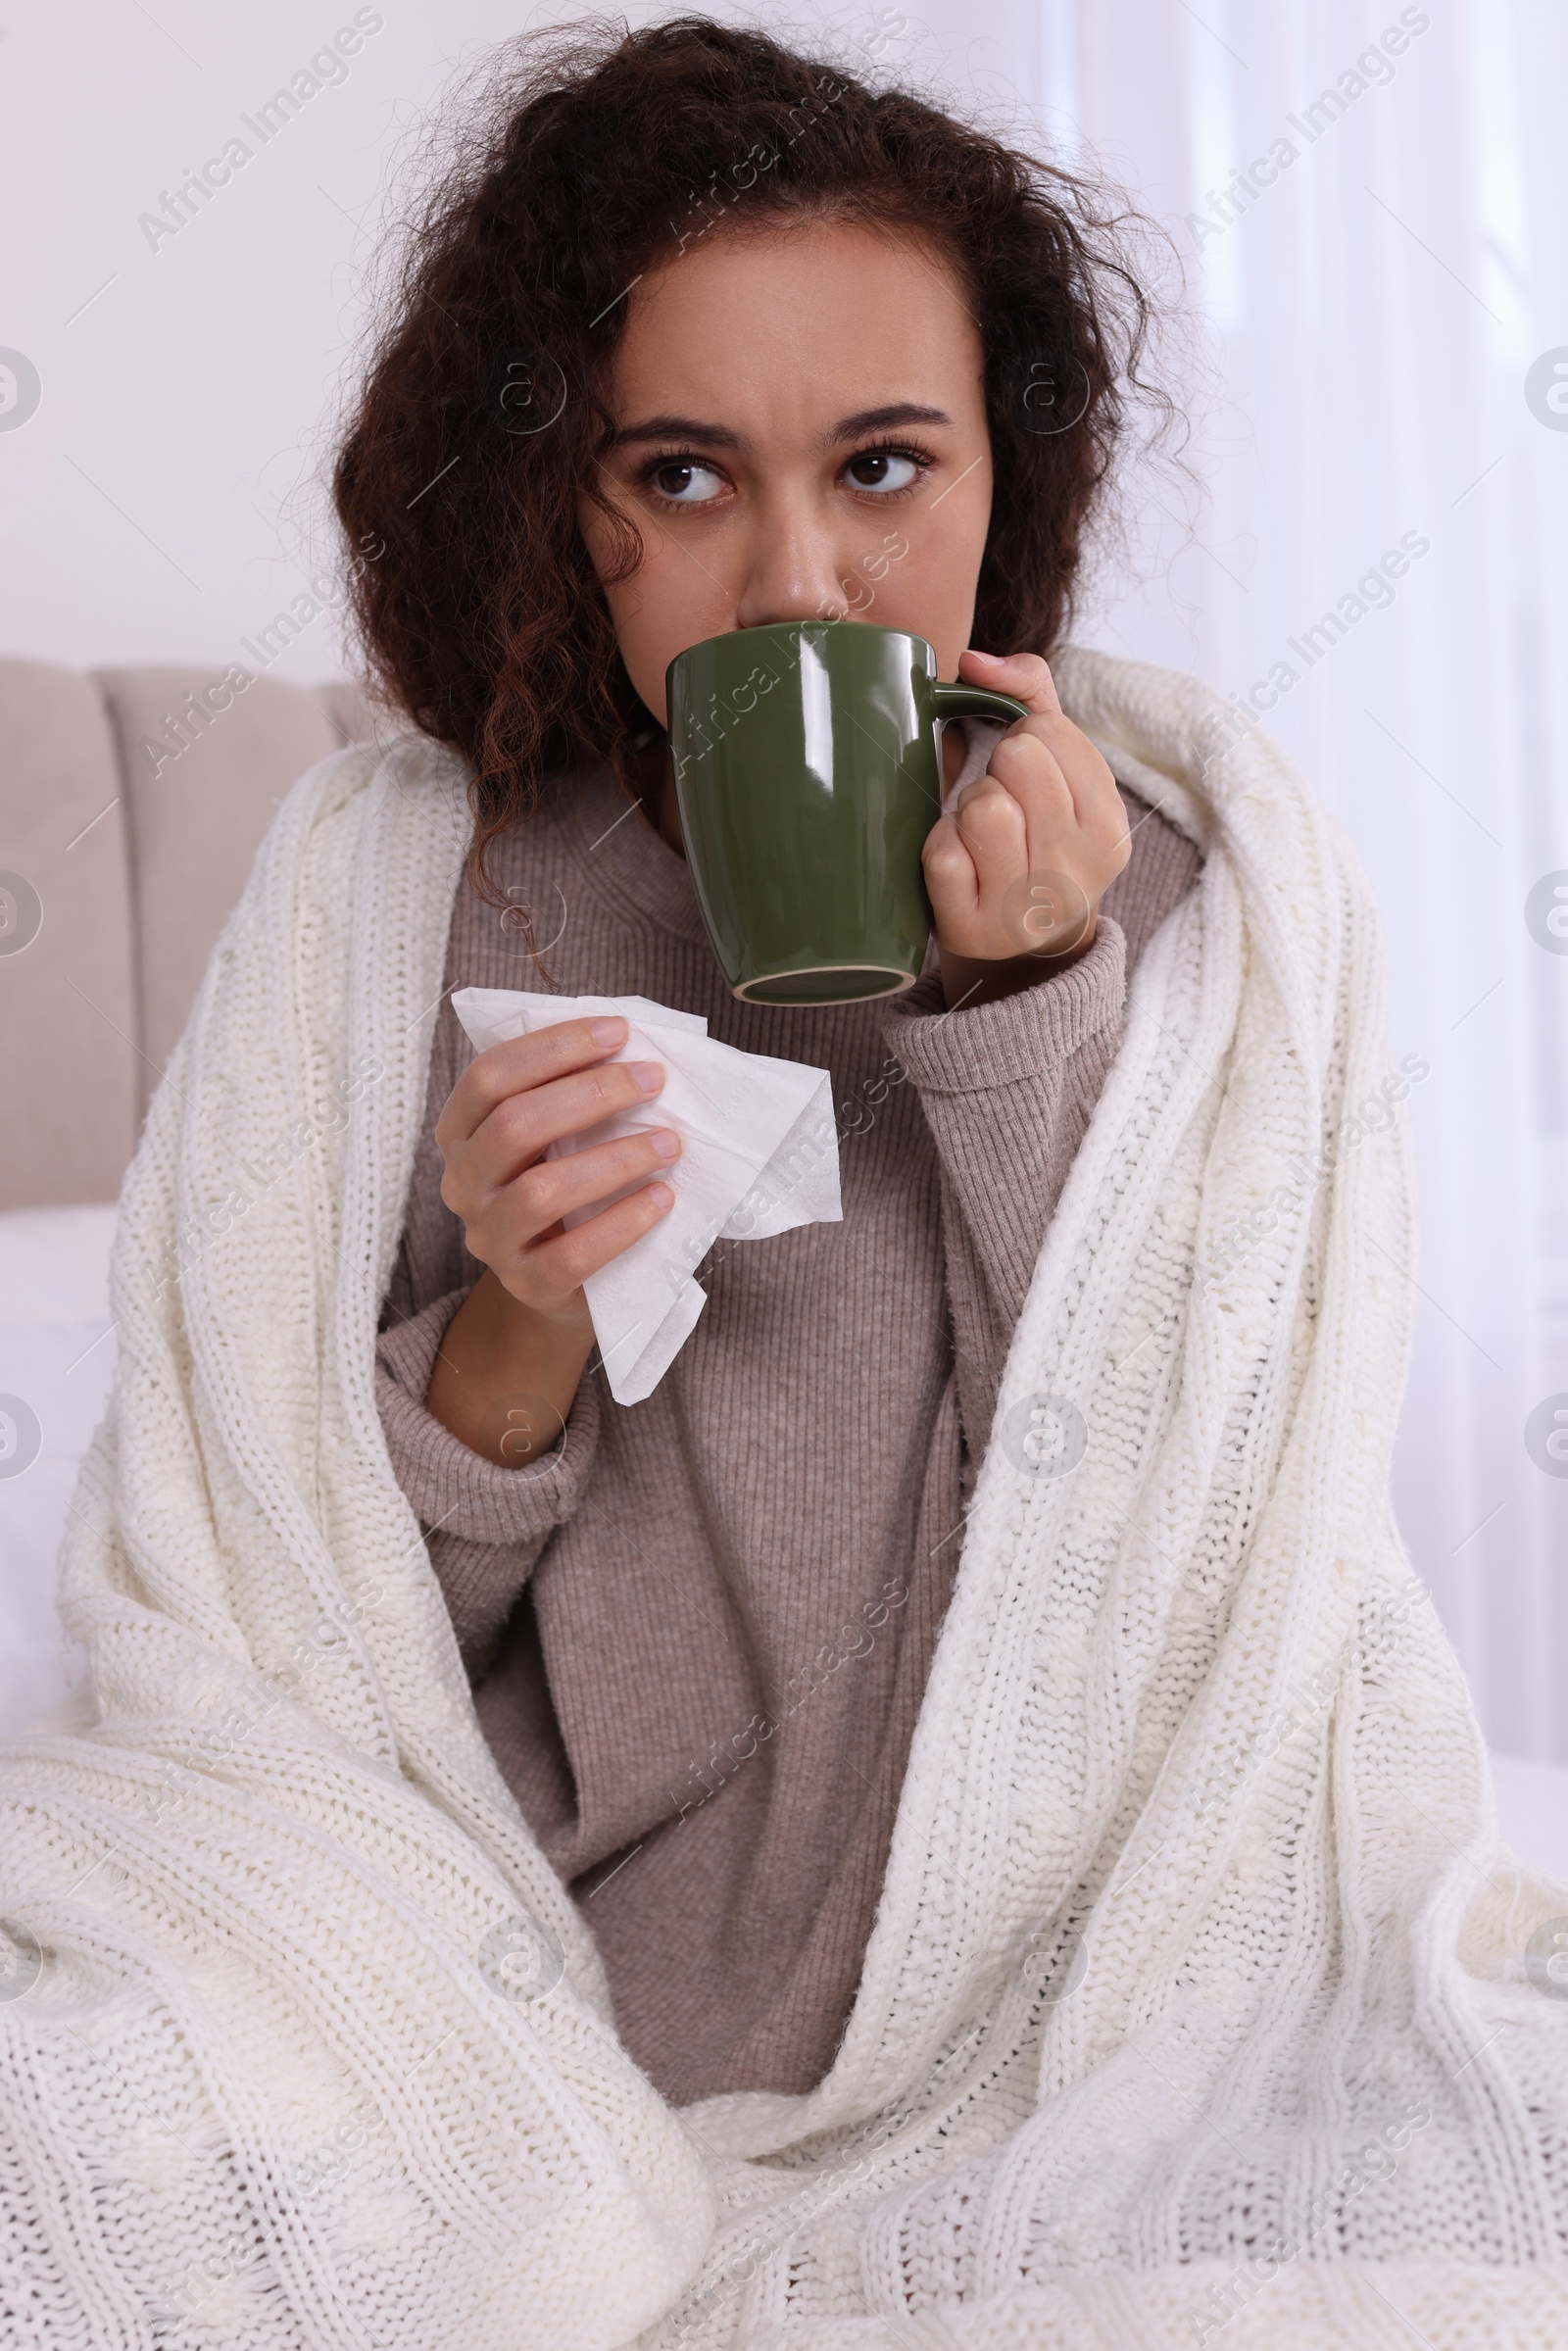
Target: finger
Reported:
point(562, 1262)
point(1007, 852)
point(1058, 773)
point(992, 824)
point(522, 1127)
point(523, 1062)
point(951, 881)
point(1023, 675)
point(543, 1193)
point(1030, 773)
point(1020, 815)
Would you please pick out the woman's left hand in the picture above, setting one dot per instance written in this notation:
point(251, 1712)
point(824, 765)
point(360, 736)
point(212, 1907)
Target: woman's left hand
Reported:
point(1017, 868)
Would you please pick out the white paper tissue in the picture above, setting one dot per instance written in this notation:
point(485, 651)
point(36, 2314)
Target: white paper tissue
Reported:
point(759, 1154)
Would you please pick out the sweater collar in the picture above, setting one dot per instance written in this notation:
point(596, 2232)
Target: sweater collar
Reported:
point(625, 861)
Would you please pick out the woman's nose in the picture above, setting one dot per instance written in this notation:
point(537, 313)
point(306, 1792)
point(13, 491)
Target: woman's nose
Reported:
point(790, 574)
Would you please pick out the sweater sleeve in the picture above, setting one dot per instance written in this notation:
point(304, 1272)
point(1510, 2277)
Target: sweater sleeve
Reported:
point(1008, 1090)
point(486, 1524)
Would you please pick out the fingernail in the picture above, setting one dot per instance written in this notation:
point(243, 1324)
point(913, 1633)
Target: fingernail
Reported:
point(609, 1031)
point(661, 1195)
point(664, 1143)
point(648, 1075)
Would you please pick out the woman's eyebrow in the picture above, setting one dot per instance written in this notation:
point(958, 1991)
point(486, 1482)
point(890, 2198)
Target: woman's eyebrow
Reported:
point(677, 429)
point(723, 436)
point(883, 420)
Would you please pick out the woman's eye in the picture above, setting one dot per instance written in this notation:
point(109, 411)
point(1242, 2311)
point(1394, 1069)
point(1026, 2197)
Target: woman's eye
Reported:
point(883, 469)
point(682, 482)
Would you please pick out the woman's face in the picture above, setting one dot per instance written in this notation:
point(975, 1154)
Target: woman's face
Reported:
point(800, 435)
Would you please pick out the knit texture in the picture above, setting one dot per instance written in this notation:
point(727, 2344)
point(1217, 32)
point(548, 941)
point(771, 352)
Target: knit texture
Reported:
point(698, 1629)
point(1195, 2005)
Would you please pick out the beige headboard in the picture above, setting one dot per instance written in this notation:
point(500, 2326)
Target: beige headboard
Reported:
point(131, 802)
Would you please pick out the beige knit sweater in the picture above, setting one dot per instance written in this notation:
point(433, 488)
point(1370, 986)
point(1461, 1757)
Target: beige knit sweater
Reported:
point(698, 1631)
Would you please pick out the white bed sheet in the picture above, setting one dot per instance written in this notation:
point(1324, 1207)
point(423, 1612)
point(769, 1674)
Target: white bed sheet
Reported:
point(57, 1355)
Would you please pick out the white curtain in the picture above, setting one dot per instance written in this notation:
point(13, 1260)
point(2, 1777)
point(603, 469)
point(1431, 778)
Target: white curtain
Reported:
point(1383, 304)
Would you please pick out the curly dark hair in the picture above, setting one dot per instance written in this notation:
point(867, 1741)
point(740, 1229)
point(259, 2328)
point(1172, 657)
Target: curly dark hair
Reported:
point(597, 153)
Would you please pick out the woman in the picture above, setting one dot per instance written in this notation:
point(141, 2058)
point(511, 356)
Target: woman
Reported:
point(1134, 1962)
point(791, 388)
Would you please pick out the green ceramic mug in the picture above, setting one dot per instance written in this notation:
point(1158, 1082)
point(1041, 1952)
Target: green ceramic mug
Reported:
point(807, 774)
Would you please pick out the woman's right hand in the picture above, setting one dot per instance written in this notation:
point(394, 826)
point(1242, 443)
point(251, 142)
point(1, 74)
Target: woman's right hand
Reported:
point(510, 1102)
point(525, 1331)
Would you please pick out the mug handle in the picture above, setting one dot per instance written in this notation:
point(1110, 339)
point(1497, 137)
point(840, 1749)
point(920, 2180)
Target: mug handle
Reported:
point(975, 702)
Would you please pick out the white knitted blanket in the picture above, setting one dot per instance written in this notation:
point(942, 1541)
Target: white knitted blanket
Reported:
point(1199, 2006)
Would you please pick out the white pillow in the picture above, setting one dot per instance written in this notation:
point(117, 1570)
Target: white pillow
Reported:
point(56, 1363)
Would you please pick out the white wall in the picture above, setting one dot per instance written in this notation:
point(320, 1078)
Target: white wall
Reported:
point(162, 501)
point(1373, 318)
